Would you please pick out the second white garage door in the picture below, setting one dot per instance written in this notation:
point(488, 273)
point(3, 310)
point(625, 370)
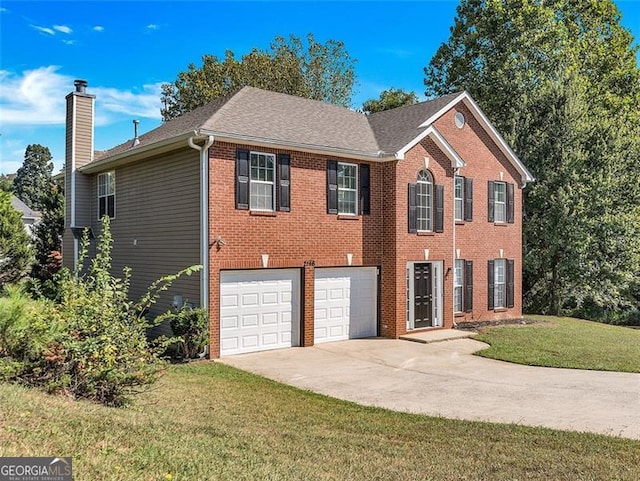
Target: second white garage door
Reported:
point(259, 310)
point(345, 303)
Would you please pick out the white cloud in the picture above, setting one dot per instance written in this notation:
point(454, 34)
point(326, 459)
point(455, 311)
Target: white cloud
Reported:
point(2, 10)
point(98, 28)
point(33, 96)
point(153, 26)
point(44, 29)
point(144, 103)
point(69, 42)
point(62, 28)
point(37, 97)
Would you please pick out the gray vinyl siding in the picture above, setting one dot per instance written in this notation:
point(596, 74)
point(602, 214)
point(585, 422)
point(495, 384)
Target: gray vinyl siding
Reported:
point(157, 205)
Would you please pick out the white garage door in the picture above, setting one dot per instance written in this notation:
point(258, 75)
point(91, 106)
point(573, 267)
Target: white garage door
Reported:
point(259, 310)
point(345, 303)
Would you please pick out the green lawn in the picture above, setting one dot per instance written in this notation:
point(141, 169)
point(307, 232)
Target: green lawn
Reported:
point(207, 421)
point(565, 342)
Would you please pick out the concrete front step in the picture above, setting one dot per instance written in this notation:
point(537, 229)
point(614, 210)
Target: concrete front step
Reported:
point(437, 335)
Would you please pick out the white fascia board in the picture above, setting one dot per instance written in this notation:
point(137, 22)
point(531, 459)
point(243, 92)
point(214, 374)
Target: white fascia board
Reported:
point(497, 138)
point(440, 141)
point(443, 110)
point(486, 124)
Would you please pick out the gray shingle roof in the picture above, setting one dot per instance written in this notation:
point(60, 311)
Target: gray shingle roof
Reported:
point(24, 209)
point(256, 114)
point(397, 127)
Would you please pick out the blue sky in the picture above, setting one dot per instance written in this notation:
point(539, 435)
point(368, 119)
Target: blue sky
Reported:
point(127, 49)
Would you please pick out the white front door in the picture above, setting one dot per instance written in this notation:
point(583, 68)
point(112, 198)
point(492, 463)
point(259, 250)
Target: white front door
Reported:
point(259, 310)
point(345, 303)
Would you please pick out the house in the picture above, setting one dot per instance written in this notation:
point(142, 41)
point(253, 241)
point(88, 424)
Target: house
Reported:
point(30, 217)
point(313, 223)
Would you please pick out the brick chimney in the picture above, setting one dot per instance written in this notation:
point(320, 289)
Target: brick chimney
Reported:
point(78, 152)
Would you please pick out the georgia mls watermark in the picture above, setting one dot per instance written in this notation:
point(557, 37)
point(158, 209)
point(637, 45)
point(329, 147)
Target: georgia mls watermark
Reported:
point(35, 469)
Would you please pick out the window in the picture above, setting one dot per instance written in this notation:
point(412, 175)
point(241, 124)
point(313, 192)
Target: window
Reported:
point(458, 285)
point(261, 181)
point(501, 202)
point(459, 198)
point(500, 277)
point(499, 298)
point(107, 194)
point(344, 183)
point(426, 204)
point(424, 193)
point(347, 189)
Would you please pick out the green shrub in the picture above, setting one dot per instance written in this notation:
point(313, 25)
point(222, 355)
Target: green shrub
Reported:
point(91, 343)
point(191, 326)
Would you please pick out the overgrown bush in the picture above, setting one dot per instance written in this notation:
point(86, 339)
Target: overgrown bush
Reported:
point(98, 348)
point(191, 328)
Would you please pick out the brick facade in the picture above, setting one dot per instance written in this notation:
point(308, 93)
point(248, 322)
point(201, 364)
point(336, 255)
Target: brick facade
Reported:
point(307, 237)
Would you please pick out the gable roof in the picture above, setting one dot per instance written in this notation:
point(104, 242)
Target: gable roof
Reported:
point(260, 117)
point(26, 211)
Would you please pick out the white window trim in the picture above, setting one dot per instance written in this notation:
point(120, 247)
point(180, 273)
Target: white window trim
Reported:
point(430, 201)
point(499, 302)
point(266, 182)
point(100, 196)
point(457, 199)
point(496, 204)
point(458, 267)
point(348, 190)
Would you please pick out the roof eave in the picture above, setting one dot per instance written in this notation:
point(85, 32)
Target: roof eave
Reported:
point(440, 141)
point(376, 156)
point(137, 153)
point(493, 133)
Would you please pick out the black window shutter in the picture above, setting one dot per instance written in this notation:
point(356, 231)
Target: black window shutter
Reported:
point(491, 196)
point(468, 286)
point(510, 193)
point(439, 227)
point(510, 272)
point(413, 211)
point(284, 182)
point(468, 200)
point(332, 187)
point(242, 179)
point(365, 192)
point(490, 285)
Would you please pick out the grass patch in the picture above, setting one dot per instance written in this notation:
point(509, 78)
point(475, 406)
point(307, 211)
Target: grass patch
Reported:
point(565, 342)
point(210, 421)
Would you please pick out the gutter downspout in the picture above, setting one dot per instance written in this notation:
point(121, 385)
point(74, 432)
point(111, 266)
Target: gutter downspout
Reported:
point(456, 172)
point(204, 214)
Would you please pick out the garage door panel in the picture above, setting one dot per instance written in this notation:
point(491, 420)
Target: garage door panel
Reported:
point(345, 303)
point(258, 310)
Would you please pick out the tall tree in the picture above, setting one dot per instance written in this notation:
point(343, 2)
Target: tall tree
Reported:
point(389, 99)
point(33, 178)
point(6, 182)
point(560, 81)
point(307, 69)
point(15, 246)
point(48, 233)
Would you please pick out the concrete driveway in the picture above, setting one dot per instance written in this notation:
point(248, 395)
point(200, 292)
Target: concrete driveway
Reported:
point(444, 379)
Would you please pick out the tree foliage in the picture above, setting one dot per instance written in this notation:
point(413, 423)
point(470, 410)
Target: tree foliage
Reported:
point(15, 247)
point(33, 178)
point(560, 81)
point(6, 182)
point(48, 232)
point(389, 99)
point(307, 69)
